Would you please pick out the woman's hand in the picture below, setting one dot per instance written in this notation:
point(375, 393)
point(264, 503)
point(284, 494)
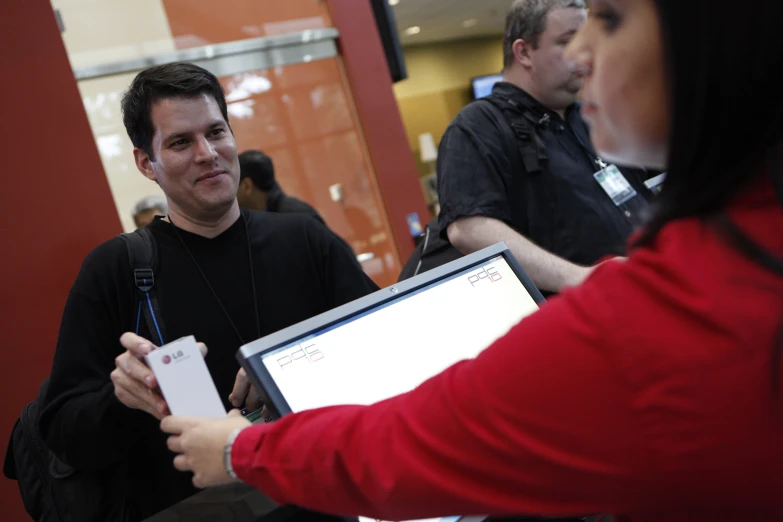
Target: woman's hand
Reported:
point(199, 443)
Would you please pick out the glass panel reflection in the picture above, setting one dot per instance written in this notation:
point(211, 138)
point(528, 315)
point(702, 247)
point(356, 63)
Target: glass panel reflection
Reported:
point(302, 117)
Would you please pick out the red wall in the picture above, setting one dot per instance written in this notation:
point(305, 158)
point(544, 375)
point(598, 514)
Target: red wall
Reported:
point(55, 205)
point(370, 80)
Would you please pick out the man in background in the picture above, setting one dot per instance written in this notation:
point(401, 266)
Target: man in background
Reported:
point(518, 165)
point(147, 208)
point(258, 189)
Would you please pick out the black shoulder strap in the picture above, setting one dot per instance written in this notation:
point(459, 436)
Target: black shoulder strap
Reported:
point(143, 257)
point(523, 124)
point(531, 149)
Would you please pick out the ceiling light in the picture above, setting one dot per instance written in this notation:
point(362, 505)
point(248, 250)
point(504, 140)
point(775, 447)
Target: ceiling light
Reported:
point(413, 30)
point(394, 2)
point(470, 23)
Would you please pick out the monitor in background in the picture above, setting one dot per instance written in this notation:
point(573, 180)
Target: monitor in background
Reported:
point(482, 86)
point(387, 29)
point(391, 341)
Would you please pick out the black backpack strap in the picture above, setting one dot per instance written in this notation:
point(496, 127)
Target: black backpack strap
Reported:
point(532, 153)
point(523, 124)
point(143, 257)
point(432, 252)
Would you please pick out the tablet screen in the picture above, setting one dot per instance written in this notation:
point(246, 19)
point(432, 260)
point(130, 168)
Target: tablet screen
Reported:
point(395, 347)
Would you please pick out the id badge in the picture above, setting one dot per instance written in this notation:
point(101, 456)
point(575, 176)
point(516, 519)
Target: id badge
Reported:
point(614, 184)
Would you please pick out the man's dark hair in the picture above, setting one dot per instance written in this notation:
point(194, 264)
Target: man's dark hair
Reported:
point(173, 80)
point(257, 166)
point(526, 20)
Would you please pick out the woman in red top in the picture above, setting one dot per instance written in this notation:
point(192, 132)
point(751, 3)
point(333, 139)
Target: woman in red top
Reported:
point(651, 391)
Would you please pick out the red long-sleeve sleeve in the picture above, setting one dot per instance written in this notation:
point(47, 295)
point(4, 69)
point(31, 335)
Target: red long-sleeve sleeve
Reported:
point(529, 415)
point(647, 390)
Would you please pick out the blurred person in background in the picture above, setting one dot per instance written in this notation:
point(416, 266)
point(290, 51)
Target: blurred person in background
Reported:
point(147, 208)
point(258, 188)
point(654, 390)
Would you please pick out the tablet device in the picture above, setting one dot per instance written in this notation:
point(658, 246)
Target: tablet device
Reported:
point(391, 341)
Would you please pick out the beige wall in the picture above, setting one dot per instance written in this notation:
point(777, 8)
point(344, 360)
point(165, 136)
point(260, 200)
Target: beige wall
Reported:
point(439, 85)
point(105, 31)
point(449, 65)
point(102, 102)
point(102, 31)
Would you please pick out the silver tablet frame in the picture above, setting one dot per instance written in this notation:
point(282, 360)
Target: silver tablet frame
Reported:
point(250, 355)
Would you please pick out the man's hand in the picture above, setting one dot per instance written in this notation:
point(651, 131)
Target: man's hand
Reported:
point(199, 443)
point(245, 393)
point(134, 383)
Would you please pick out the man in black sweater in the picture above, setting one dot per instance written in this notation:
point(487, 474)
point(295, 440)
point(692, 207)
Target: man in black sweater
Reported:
point(225, 276)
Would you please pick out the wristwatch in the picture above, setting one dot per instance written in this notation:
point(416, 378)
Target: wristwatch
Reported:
point(227, 454)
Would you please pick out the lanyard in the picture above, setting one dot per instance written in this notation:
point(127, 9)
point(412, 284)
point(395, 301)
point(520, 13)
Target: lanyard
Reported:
point(591, 155)
point(209, 285)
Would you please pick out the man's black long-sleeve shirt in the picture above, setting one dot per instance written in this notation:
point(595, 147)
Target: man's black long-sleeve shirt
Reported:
point(301, 270)
point(564, 209)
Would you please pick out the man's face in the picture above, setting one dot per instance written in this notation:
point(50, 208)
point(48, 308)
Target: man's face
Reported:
point(557, 79)
point(195, 154)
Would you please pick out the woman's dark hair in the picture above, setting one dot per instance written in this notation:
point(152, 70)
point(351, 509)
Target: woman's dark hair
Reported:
point(726, 122)
point(173, 80)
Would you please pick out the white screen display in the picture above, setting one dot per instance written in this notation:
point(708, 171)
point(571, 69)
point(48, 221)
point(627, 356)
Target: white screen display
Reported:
point(396, 347)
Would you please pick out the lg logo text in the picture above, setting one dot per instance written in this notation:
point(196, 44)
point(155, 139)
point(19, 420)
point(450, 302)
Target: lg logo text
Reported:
point(166, 359)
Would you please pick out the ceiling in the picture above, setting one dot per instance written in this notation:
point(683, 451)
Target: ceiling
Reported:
point(441, 20)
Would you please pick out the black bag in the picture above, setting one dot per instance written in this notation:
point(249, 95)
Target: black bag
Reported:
point(434, 250)
point(51, 490)
point(531, 155)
